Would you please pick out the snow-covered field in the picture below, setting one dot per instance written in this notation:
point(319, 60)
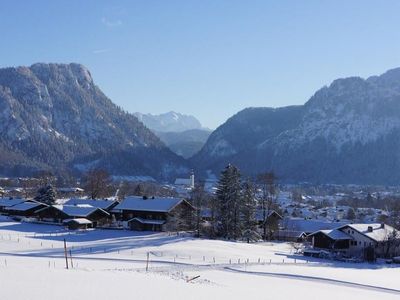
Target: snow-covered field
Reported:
point(111, 264)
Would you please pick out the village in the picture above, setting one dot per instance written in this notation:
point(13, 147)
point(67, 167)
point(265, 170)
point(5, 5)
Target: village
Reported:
point(324, 224)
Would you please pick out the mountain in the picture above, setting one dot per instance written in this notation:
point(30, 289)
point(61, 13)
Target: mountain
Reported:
point(183, 134)
point(54, 117)
point(185, 143)
point(169, 122)
point(348, 132)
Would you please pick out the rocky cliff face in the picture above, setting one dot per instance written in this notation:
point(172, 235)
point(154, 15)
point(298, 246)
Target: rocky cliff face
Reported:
point(183, 134)
point(169, 122)
point(53, 116)
point(348, 132)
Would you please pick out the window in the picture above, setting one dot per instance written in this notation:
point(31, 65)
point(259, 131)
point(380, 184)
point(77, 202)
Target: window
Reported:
point(359, 243)
point(352, 232)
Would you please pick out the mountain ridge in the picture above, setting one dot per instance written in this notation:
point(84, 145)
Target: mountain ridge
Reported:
point(53, 116)
point(346, 132)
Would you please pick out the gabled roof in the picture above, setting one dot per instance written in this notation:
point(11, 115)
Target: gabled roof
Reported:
point(309, 226)
point(158, 204)
point(24, 206)
point(260, 214)
point(148, 221)
point(290, 233)
point(334, 234)
point(103, 203)
point(70, 190)
point(80, 221)
point(377, 234)
point(78, 210)
point(11, 202)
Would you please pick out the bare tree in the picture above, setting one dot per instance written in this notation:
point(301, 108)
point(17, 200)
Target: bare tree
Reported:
point(267, 182)
point(391, 243)
point(198, 197)
point(248, 211)
point(45, 178)
point(97, 183)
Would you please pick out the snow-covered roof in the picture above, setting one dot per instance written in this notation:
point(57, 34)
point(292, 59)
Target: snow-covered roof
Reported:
point(78, 210)
point(10, 202)
point(147, 221)
point(309, 226)
point(81, 221)
point(103, 203)
point(158, 204)
point(290, 233)
point(70, 190)
point(379, 233)
point(24, 206)
point(335, 234)
point(260, 214)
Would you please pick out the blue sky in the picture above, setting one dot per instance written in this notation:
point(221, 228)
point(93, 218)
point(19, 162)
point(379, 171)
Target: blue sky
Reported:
point(205, 58)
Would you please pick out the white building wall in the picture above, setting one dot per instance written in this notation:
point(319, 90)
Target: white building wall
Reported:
point(361, 240)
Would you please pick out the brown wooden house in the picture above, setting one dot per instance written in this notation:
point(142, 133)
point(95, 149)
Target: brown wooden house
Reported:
point(155, 214)
point(25, 209)
point(59, 213)
point(6, 203)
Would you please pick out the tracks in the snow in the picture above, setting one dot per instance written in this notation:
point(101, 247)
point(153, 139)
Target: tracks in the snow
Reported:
point(317, 279)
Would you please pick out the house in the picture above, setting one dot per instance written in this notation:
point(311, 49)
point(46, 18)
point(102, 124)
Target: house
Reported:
point(366, 241)
point(290, 235)
point(271, 216)
point(308, 226)
point(65, 192)
point(156, 213)
point(59, 213)
point(25, 209)
point(185, 182)
point(140, 224)
point(78, 223)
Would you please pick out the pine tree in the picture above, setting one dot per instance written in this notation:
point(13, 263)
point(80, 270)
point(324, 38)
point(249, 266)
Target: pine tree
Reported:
point(46, 194)
point(248, 212)
point(228, 203)
point(351, 215)
point(248, 205)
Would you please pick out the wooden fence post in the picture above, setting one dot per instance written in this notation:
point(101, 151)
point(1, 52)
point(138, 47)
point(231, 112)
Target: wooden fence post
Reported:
point(65, 253)
point(147, 262)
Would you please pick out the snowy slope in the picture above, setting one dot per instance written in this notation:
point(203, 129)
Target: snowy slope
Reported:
point(111, 265)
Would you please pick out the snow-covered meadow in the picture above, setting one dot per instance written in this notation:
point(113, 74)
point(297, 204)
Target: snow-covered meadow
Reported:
point(111, 264)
